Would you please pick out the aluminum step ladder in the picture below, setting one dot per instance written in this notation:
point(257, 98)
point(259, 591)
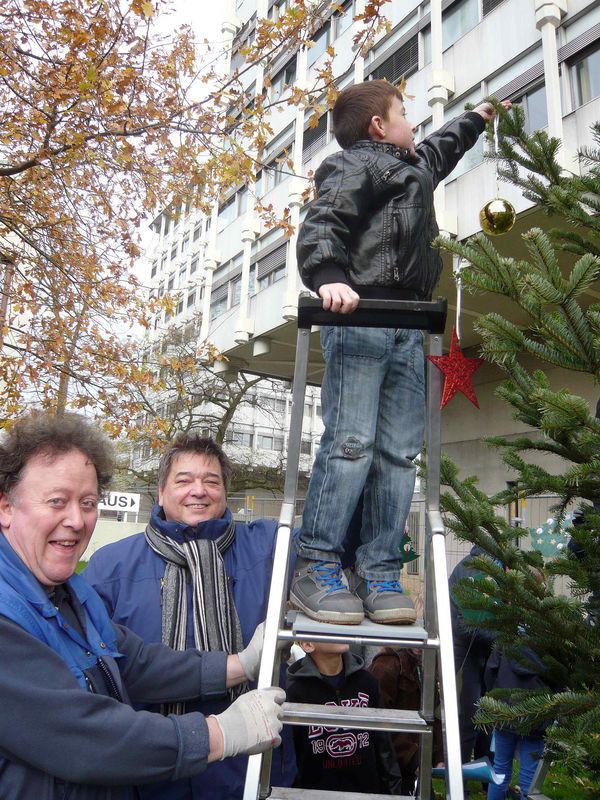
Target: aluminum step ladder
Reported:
point(433, 635)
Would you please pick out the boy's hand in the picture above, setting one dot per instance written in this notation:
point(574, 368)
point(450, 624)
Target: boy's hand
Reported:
point(338, 297)
point(487, 110)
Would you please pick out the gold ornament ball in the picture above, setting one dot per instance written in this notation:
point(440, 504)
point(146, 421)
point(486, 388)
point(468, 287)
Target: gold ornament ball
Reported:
point(497, 216)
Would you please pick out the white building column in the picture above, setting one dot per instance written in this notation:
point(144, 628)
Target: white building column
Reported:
point(547, 19)
point(298, 184)
point(359, 64)
point(212, 260)
point(438, 93)
point(245, 325)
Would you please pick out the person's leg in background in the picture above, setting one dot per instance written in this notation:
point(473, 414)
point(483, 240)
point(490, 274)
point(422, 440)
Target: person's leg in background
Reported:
point(531, 749)
point(505, 743)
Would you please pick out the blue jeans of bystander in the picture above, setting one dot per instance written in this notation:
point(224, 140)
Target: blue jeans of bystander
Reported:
point(505, 746)
point(373, 400)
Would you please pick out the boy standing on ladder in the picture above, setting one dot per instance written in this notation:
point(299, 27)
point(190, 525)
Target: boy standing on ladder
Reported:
point(368, 234)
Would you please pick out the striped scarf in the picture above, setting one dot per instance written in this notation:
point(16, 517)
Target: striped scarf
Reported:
point(216, 622)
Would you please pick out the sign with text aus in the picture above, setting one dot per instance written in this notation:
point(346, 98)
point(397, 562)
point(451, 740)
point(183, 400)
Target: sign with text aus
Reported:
point(120, 501)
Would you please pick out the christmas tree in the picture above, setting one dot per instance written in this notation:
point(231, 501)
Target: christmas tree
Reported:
point(548, 285)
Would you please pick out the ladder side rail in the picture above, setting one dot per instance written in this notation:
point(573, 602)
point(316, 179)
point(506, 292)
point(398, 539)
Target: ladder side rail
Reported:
point(535, 789)
point(259, 765)
point(408, 314)
point(440, 612)
point(454, 779)
point(425, 758)
point(433, 450)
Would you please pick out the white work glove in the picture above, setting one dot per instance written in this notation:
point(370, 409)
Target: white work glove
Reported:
point(250, 656)
point(252, 723)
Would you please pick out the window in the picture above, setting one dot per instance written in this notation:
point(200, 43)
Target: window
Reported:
point(305, 448)
point(278, 9)
point(586, 76)
point(314, 139)
point(242, 201)
point(194, 265)
point(154, 269)
point(179, 306)
point(163, 263)
point(218, 301)
point(343, 19)
point(271, 268)
point(236, 291)
point(174, 252)
point(307, 410)
point(318, 411)
point(241, 438)
point(226, 213)
point(181, 276)
point(489, 5)
point(279, 168)
point(535, 108)
point(191, 298)
point(269, 442)
point(273, 403)
point(197, 231)
point(284, 78)
point(320, 46)
point(400, 64)
point(171, 283)
point(184, 244)
point(458, 20)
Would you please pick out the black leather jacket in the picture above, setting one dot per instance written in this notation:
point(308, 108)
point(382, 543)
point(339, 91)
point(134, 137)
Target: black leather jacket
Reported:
point(373, 220)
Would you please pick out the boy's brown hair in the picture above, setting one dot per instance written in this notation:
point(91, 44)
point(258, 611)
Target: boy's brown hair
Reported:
point(357, 105)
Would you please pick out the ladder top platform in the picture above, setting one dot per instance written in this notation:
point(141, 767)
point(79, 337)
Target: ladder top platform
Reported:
point(411, 314)
point(367, 630)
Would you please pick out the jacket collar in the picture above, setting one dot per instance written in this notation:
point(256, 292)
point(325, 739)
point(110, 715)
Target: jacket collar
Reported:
point(179, 532)
point(383, 147)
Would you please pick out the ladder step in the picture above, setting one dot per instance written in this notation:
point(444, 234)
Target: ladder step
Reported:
point(367, 633)
point(281, 793)
point(372, 719)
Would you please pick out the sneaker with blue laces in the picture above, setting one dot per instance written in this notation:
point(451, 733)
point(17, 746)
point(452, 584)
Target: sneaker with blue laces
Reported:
point(320, 589)
point(385, 602)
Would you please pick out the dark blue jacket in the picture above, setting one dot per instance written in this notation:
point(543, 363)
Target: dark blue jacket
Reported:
point(128, 574)
point(60, 740)
point(502, 672)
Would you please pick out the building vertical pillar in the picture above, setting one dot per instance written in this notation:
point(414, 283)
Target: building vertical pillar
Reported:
point(359, 64)
point(547, 19)
point(245, 325)
point(297, 186)
point(438, 93)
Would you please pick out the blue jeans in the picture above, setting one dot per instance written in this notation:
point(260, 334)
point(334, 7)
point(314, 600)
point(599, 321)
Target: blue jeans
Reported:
point(531, 749)
point(373, 399)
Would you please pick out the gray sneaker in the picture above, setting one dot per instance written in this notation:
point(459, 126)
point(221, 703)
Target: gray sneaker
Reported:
point(320, 589)
point(384, 601)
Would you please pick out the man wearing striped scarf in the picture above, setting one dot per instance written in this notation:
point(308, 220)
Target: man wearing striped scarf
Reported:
point(194, 578)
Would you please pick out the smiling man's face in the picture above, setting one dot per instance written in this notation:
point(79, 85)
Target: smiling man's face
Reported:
point(49, 516)
point(194, 490)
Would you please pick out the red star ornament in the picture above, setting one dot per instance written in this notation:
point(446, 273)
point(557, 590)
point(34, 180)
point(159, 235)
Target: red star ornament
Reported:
point(457, 369)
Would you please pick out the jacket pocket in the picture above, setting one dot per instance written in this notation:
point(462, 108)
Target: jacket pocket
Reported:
point(401, 245)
